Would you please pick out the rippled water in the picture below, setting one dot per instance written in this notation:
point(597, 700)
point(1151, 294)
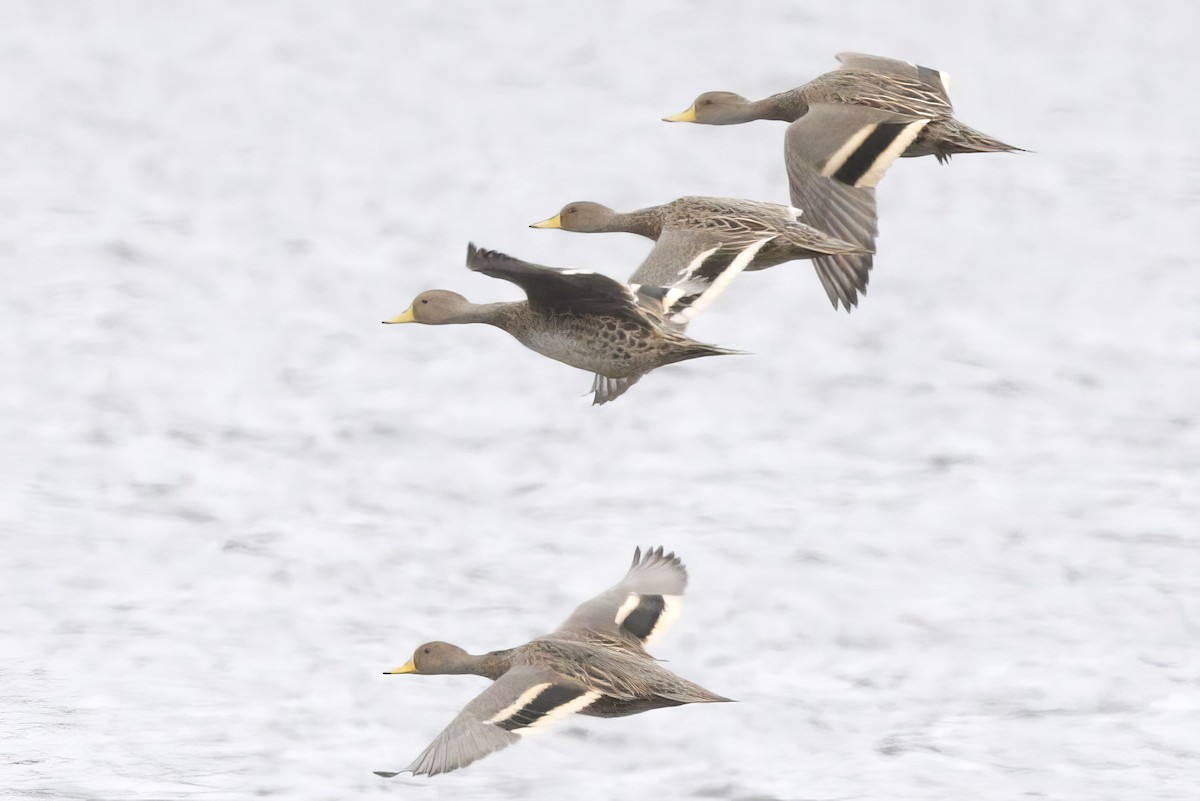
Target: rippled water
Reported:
point(944, 547)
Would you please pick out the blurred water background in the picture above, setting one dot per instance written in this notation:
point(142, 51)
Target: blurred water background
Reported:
point(945, 547)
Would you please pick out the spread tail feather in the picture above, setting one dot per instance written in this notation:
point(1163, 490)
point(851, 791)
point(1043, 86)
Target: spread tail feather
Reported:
point(605, 389)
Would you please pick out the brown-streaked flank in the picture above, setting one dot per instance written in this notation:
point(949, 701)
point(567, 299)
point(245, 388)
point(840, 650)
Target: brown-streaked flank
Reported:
point(847, 127)
point(595, 663)
point(688, 226)
point(585, 319)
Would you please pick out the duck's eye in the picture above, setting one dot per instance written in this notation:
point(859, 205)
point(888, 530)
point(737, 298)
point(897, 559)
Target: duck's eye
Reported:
point(571, 210)
point(426, 650)
point(426, 300)
point(706, 102)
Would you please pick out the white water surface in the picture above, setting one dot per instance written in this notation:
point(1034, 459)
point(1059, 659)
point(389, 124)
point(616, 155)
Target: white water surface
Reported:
point(945, 547)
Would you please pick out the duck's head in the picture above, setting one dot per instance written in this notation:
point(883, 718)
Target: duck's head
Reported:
point(714, 108)
point(582, 215)
point(435, 658)
point(435, 307)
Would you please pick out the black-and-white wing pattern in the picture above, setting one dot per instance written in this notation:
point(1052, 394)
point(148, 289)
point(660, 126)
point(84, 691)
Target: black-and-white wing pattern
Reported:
point(523, 700)
point(641, 607)
point(703, 279)
point(835, 155)
point(668, 262)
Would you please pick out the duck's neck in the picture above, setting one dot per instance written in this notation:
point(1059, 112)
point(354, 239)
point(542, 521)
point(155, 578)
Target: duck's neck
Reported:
point(491, 665)
point(496, 314)
point(787, 106)
point(643, 222)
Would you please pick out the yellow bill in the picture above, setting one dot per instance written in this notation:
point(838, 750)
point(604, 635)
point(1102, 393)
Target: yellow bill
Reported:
point(553, 222)
point(405, 316)
point(407, 667)
point(683, 116)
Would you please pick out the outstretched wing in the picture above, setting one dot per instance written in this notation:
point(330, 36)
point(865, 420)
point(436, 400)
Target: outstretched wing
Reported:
point(673, 254)
point(711, 273)
point(699, 281)
point(929, 86)
point(553, 291)
point(521, 701)
point(835, 155)
point(641, 607)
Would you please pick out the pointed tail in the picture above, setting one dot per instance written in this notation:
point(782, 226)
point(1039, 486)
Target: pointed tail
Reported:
point(951, 136)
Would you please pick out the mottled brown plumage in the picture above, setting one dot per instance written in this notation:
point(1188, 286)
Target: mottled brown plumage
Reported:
point(594, 664)
point(687, 226)
point(869, 81)
point(847, 127)
point(580, 318)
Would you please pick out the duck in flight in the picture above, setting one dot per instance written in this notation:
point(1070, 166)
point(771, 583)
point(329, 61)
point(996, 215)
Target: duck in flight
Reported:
point(595, 663)
point(585, 319)
point(688, 226)
point(846, 128)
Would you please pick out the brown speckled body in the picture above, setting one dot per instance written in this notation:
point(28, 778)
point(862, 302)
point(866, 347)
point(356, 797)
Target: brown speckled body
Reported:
point(731, 220)
point(610, 346)
point(942, 137)
point(689, 226)
point(595, 663)
point(629, 680)
point(581, 318)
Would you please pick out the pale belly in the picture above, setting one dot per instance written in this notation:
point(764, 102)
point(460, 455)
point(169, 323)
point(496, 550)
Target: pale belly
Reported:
point(612, 362)
point(611, 353)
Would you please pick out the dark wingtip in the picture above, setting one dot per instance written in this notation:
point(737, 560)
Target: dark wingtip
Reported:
point(385, 774)
point(477, 256)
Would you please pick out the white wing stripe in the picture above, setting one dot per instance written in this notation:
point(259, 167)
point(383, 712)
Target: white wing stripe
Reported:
point(892, 152)
point(560, 712)
point(681, 286)
point(627, 608)
point(696, 263)
point(722, 281)
point(672, 609)
point(544, 718)
point(516, 706)
point(848, 148)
